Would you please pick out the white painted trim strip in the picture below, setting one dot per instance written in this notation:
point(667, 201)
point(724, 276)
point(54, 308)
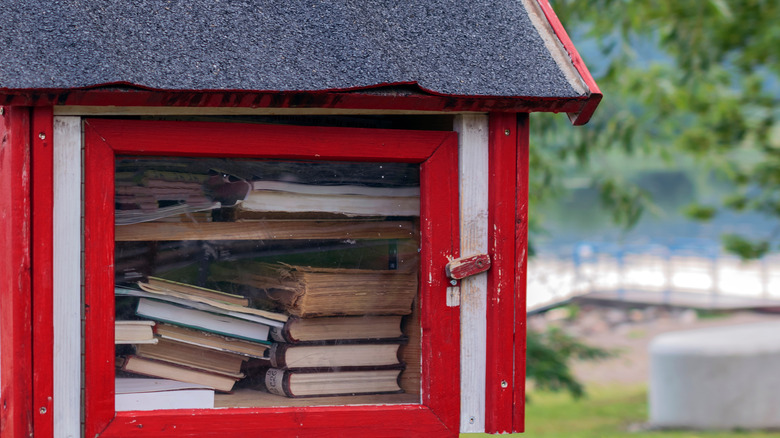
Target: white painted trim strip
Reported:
point(85, 110)
point(473, 169)
point(67, 277)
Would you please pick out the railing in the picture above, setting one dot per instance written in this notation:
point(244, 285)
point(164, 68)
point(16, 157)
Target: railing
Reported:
point(688, 273)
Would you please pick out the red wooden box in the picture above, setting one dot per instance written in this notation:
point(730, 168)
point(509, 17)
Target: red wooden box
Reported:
point(60, 139)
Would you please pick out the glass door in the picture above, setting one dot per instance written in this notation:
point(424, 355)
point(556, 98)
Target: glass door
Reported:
point(253, 273)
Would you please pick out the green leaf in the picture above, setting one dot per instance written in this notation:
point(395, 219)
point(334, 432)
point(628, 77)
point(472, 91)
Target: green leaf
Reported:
point(744, 248)
point(701, 213)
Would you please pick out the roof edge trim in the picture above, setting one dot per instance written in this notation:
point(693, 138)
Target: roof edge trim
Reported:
point(409, 96)
point(575, 60)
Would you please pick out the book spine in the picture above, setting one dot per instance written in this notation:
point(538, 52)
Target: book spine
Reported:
point(277, 355)
point(277, 382)
point(282, 334)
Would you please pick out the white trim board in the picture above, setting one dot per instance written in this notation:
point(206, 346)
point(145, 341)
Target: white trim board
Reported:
point(473, 181)
point(67, 270)
point(86, 110)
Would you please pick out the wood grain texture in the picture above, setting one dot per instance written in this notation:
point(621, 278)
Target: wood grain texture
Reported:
point(224, 140)
point(16, 387)
point(467, 266)
point(127, 111)
point(99, 282)
point(42, 229)
point(249, 398)
point(521, 272)
point(391, 421)
point(473, 165)
point(440, 324)
point(266, 230)
point(66, 293)
point(108, 100)
point(501, 277)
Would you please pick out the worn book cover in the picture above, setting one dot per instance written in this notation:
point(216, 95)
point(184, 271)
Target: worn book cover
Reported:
point(311, 292)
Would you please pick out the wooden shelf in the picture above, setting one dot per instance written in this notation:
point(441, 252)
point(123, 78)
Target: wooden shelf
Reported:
point(266, 230)
point(248, 398)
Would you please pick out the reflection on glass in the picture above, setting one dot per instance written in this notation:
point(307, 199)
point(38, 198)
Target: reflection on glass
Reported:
point(265, 283)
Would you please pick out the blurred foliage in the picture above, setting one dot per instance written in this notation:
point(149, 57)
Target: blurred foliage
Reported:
point(745, 248)
point(549, 356)
point(681, 78)
point(700, 212)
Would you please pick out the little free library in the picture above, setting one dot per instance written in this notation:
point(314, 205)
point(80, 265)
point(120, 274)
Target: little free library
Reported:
point(264, 218)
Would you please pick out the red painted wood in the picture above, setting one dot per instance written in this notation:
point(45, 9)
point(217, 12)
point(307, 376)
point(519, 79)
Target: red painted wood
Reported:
point(521, 260)
point(16, 418)
point(336, 422)
point(358, 99)
point(584, 114)
point(347, 144)
point(502, 140)
point(440, 228)
point(437, 151)
point(463, 267)
point(42, 280)
point(99, 282)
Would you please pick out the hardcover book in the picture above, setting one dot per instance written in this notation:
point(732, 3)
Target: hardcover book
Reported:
point(278, 196)
point(211, 341)
point(310, 292)
point(193, 356)
point(334, 355)
point(338, 328)
point(198, 319)
point(165, 370)
point(163, 286)
point(134, 332)
point(142, 394)
point(289, 383)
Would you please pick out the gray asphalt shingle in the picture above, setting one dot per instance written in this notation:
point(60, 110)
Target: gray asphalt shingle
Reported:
point(452, 47)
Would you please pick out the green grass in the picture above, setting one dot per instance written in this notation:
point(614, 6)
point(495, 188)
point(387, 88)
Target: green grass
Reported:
point(608, 412)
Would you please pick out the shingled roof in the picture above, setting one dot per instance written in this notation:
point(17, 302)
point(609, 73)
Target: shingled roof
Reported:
point(446, 47)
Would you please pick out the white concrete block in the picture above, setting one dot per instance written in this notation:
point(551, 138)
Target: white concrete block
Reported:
point(716, 378)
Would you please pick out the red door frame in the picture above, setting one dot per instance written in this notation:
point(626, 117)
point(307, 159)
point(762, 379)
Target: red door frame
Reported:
point(438, 415)
point(16, 417)
point(508, 247)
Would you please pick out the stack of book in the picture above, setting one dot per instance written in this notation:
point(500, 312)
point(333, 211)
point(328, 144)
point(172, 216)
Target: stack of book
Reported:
point(167, 192)
point(200, 335)
point(344, 332)
point(152, 194)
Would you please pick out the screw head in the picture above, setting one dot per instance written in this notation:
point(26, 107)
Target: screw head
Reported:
point(42, 410)
point(454, 282)
point(506, 132)
point(504, 384)
point(42, 136)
